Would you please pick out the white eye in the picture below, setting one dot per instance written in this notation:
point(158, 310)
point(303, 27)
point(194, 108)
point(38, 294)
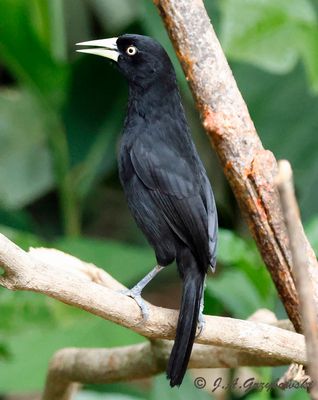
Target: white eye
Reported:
point(131, 50)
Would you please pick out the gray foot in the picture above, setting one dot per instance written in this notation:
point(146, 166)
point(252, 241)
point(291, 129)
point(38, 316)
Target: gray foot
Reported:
point(201, 319)
point(201, 324)
point(135, 292)
point(136, 295)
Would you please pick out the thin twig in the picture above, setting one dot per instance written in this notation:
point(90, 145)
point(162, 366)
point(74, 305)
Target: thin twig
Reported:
point(295, 373)
point(296, 235)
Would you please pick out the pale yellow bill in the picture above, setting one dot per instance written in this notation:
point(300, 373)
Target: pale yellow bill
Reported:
point(102, 47)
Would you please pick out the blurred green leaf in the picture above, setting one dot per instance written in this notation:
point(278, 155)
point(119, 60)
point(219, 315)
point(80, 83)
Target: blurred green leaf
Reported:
point(16, 219)
point(18, 310)
point(31, 62)
point(90, 115)
point(162, 390)
point(259, 396)
point(269, 33)
point(308, 45)
point(86, 331)
point(124, 262)
point(116, 14)
point(286, 119)
point(26, 55)
point(78, 22)
point(4, 351)
point(233, 251)
point(312, 233)
point(23, 177)
point(57, 29)
point(21, 238)
point(295, 394)
point(236, 292)
point(40, 18)
point(89, 395)
point(101, 158)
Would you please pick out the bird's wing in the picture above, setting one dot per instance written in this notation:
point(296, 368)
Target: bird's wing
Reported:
point(212, 220)
point(165, 169)
point(177, 185)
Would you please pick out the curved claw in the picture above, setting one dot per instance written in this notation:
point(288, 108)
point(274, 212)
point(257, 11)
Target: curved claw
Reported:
point(201, 324)
point(201, 319)
point(134, 294)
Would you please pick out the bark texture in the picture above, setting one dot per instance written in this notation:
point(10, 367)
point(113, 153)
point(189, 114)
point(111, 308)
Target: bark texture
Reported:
point(300, 268)
point(249, 168)
point(83, 285)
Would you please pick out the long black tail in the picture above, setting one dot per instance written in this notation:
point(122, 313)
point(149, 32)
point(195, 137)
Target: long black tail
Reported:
point(193, 281)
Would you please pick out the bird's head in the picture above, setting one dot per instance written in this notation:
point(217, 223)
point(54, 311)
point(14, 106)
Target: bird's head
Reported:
point(141, 59)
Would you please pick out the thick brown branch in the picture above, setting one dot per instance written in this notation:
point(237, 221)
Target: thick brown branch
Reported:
point(297, 237)
point(249, 168)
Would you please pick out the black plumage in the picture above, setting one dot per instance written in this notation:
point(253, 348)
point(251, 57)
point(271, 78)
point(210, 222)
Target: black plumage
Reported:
point(164, 181)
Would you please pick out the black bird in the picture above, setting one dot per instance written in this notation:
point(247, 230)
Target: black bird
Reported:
point(164, 181)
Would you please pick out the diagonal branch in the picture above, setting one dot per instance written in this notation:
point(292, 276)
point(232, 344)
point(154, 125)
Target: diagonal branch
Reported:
point(300, 269)
point(249, 168)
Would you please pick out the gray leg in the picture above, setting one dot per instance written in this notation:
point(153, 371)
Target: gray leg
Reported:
point(201, 319)
point(135, 292)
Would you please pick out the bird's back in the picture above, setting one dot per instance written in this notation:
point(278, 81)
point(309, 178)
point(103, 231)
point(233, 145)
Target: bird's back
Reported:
point(158, 156)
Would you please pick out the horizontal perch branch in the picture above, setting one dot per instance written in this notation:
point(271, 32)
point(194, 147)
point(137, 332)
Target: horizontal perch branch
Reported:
point(72, 365)
point(71, 281)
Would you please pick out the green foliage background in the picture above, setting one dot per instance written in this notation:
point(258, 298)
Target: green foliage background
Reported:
point(60, 121)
